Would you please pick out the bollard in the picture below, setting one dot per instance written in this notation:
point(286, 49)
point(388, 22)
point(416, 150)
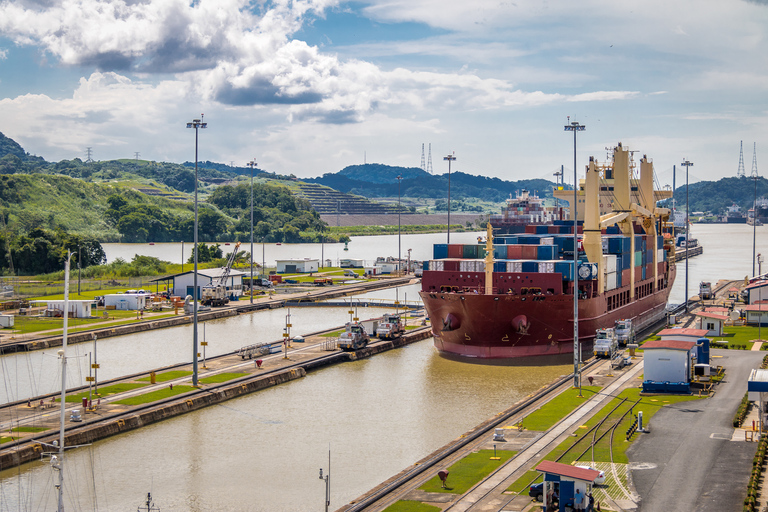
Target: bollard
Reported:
point(171, 386)
point(258, 363)
point(85, 402)
point(152, 379)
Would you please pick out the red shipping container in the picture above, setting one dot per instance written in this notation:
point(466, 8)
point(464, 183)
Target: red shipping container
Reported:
point(638, 274)
point(451, 265)
point(530, 229)
point(455, 251)
point(529, 252)
point(515, 252)
point(625, 275)
point(554, 230)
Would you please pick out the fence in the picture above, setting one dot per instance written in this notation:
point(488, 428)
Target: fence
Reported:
point(24, 287)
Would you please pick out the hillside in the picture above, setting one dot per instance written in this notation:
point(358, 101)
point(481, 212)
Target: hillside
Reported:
point(716, 196)
point(378, 180)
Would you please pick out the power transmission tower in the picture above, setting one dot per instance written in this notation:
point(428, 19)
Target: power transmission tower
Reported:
point(754, 160)
point(429, 161)
point(136, 155)
point(88, 155)
point(423, 165)
point(740, 171)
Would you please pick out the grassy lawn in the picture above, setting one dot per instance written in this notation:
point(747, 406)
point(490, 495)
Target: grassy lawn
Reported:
point(468, 471)
point(221, 377)
point(29, 429)
point(105, 391)
point(648, 404)
point(155, 395)
point(166, 376)
point(31, 324)
point(411, 506)
point(8, 439)
point(739, 337)
point(557, 408)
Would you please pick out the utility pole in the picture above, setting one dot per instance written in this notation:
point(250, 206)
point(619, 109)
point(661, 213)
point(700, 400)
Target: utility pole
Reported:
point(575, 127)
point(450, 158)
point(252, 164)
point(686, 164)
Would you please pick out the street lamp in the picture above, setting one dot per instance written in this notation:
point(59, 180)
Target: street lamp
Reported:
point(686, 164)
point(575, 127)
point(197, 124)
point(558, 178)
point(450, 158)
point(327, 479)
point(754, 224)
point(252, 164)
point(399, 258)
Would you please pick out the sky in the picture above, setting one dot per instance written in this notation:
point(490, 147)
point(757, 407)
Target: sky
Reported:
point(308, 87)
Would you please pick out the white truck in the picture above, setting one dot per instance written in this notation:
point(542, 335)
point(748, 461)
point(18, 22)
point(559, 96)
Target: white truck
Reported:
point(625, 332)
point(390, 327)
point(353, 338)
point(606, 345)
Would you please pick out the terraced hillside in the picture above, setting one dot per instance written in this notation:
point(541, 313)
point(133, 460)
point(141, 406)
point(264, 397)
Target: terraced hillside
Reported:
point(328, 201)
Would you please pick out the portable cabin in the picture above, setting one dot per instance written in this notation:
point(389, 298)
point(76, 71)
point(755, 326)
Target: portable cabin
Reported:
point(77, 308)
point(565, 480)
point(681, 334)
point(712, 322)
point(351, 263)
point(126, 301)
point(668, 365)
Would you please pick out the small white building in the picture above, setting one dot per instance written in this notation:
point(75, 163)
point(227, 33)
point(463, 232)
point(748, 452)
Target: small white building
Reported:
point(183, 284)
point(126, 301)
point(756, 314)
point(296, 266)
point(77, 308)
point(351, 263)
point(756, 292)
point(712, 322)
point(388, 267)
point(668, 360)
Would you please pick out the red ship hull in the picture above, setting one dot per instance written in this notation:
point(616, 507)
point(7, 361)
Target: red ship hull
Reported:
point(529, 330)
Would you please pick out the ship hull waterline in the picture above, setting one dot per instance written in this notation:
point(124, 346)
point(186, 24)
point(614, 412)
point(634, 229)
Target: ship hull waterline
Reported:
point(528, 331)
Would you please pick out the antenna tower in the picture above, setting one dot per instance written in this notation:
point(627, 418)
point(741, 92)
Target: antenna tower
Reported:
point(88, 155)
point(429, 161)
point(423, 165)
point(740, 171)
point(136, 156)
point(754, 160)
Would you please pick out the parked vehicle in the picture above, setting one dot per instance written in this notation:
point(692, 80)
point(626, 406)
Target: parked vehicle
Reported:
point(605, 343)
point(600, 480)
point(354, 337)
point(390, 327)
point(536, 491)
point(625, 332)
point(705, 291)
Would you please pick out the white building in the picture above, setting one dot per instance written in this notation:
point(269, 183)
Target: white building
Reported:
point(712, 322)
point(757, 314)
point(681, 334)
point(183, 284)
point(77, 308)
point(296, 266)
point(388, 267)
point(668, 360)
point(756, 292)
point(126, 301)
point(351, 263)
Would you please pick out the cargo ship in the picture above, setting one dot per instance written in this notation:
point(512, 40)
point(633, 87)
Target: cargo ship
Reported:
point(523, 210)
point(511, 300)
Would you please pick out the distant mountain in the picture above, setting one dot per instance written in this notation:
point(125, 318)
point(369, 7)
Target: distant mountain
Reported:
point(716, 196)
point(379, 180)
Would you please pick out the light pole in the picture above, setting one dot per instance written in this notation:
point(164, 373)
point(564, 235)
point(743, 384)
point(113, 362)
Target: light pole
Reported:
point(327, 479)
point(686, 164)
point(197, 124)
point(252, 164)
point(575, 127)
point(399, 258)
point(558, 177)
point(450, 158)
point(754, 225)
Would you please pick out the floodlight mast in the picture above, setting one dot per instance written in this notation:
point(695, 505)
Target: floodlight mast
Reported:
point(197, 124)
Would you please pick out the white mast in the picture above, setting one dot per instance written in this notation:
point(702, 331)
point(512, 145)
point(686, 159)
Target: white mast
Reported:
point(63, 355)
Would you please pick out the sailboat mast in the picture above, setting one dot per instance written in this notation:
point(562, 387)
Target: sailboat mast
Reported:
point(63, 353)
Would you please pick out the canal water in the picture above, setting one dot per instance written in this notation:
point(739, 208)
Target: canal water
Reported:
point(263, 452)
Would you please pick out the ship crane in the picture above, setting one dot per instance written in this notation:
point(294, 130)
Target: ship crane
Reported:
point(215, 294)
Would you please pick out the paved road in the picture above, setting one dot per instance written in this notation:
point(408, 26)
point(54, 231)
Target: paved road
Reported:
point(688, 461)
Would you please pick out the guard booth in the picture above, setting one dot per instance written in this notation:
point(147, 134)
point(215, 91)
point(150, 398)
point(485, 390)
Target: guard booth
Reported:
point(757, 389)
point(564, 480)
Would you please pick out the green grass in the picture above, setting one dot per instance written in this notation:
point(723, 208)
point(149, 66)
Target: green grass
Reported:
point(468, 471)
point(105, 391)
point(556, 409)
point(521, 485)
point(155, 395)
point(31, 324)
point(7, 439)
point(411, 506)
point(166, 376)
point(334, 334)
point(221, 377)
point(29, 429)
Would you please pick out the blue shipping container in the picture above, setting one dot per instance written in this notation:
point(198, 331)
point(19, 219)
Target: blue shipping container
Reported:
point(499, 266)
point(565, 268)
point(439, 251)
point(499, 252)
point(546, 252)
point(530, 266)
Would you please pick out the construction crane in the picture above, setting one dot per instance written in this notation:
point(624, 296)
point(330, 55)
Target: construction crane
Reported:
point(215, 294)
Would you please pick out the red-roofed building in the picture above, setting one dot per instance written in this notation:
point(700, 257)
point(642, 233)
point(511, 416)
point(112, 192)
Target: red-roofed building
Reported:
point(756, 313)
point(712, 322)
point(756, 291)
point(668, 365)
point(682, 334)
point(565, 480)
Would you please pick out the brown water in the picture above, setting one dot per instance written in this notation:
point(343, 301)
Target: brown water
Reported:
point(263, 452)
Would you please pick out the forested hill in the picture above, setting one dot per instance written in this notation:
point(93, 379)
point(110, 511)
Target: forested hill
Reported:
point(716, 196)
point(379, 180)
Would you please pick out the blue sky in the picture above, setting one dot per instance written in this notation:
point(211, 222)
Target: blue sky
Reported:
point(309, 87)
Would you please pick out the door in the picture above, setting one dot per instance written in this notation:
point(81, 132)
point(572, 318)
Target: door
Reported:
point(566, 494)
